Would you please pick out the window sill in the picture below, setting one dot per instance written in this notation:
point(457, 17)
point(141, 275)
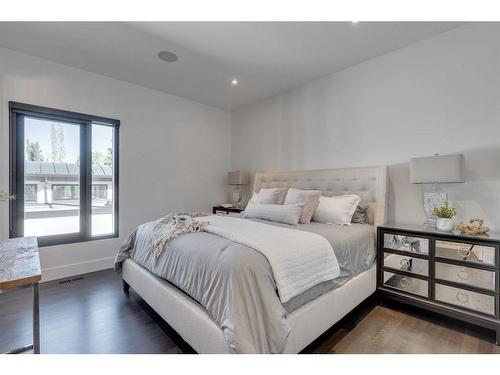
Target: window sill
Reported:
point(65, 239)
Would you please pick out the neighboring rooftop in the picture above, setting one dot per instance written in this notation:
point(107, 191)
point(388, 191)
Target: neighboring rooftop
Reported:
point(62, 169)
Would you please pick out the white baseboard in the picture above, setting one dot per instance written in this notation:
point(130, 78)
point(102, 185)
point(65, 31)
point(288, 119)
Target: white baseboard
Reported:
point(68, 270)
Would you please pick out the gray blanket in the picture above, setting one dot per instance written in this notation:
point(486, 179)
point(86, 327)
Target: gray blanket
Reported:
point(235, 284)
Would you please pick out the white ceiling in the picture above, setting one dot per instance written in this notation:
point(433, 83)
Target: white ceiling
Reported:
point(266, 58)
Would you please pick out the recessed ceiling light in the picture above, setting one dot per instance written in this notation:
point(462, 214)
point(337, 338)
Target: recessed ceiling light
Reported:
point(234, 82)
point(167, 56)
point(354, 21)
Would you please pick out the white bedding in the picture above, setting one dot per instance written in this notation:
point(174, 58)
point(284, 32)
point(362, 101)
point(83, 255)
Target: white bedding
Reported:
point(299, 259)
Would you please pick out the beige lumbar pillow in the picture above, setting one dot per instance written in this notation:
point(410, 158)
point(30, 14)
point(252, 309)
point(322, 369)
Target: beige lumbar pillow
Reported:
point(309, 198)
point(271, 196)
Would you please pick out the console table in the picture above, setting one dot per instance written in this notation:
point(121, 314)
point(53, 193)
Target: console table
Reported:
point(20, 266)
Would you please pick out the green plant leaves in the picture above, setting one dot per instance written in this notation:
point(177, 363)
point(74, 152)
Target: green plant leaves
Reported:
point(444, 212)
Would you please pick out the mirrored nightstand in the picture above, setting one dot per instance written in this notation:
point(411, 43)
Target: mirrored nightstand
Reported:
point(457, 275)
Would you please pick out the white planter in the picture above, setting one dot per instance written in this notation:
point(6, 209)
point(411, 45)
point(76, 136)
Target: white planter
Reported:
point(445, 225)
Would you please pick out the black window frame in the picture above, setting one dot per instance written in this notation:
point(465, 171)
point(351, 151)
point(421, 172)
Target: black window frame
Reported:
point(16, 146)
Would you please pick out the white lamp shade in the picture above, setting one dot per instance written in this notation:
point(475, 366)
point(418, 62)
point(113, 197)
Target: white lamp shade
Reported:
point(237, 178)
point(437, 169)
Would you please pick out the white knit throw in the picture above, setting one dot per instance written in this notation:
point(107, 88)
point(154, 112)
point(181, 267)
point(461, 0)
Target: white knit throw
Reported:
point(171, 226)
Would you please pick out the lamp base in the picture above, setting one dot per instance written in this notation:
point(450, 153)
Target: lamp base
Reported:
point(432, 199)
point(236, 195)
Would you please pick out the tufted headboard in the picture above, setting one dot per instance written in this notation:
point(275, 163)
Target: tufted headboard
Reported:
point(369, 183)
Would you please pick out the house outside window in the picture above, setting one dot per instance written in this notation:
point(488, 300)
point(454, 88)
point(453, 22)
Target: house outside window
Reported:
point(30, 192)
point(65, 192)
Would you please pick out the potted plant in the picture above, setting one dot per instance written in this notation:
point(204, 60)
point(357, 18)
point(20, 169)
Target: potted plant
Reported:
point(5, 197)
point(445, 215)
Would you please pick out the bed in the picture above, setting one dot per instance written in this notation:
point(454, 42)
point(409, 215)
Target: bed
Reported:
point(309, 318)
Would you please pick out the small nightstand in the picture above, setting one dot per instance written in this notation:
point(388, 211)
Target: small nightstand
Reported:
point(456, 275)
point(227, 211)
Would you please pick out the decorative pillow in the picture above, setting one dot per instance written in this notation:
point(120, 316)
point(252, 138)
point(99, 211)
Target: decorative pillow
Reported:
point(370, 213)
point(337, 209)
point(309, 198)
point(272, 196)
point(289, 214)
point(359, 216)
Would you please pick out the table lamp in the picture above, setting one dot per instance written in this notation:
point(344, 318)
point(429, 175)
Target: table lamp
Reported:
point(433, 171)
point(237, 179)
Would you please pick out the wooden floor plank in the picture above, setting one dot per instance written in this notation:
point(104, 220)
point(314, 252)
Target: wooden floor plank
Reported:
point(93, 315)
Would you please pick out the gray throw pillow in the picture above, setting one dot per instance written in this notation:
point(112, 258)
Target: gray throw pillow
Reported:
point(359, 216)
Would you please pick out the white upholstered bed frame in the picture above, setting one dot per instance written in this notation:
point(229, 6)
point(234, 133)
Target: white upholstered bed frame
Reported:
point(309, 321)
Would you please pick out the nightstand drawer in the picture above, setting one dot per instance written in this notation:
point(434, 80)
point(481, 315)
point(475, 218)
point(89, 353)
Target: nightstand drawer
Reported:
point(406, 243)
point(406, 284)
point(465, 298)
point(466, 275)
point(466, 252)
point(407, 263)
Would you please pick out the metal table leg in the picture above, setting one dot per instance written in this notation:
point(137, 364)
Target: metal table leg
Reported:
point(20, 350)
point(36, 325)
point(36, 319)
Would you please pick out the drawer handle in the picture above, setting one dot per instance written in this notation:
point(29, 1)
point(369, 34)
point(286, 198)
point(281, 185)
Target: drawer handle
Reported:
point(406, 242)
point(411, 244)
point(404, 282)
point(462, 297)
point(463, 275)
point(395, 242)
point(464, 251)
point(405, 263)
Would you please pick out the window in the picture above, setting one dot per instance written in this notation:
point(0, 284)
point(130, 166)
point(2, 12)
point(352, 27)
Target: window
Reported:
point(64, 173)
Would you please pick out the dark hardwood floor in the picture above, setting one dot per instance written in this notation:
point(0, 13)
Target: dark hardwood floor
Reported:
point(91, 314)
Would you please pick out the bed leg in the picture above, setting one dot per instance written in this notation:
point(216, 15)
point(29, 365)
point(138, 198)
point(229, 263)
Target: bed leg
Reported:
point(125, 286)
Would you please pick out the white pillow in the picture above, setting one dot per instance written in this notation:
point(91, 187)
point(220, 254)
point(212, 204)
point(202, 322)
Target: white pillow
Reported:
point(289, 214)
point(337, 209)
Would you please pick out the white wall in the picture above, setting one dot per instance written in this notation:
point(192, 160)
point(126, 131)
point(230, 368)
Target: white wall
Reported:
point(440, 95)
point(437, 96)
point(174, 153)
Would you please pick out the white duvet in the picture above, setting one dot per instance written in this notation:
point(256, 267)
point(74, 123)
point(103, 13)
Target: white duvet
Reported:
point(299, 259)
